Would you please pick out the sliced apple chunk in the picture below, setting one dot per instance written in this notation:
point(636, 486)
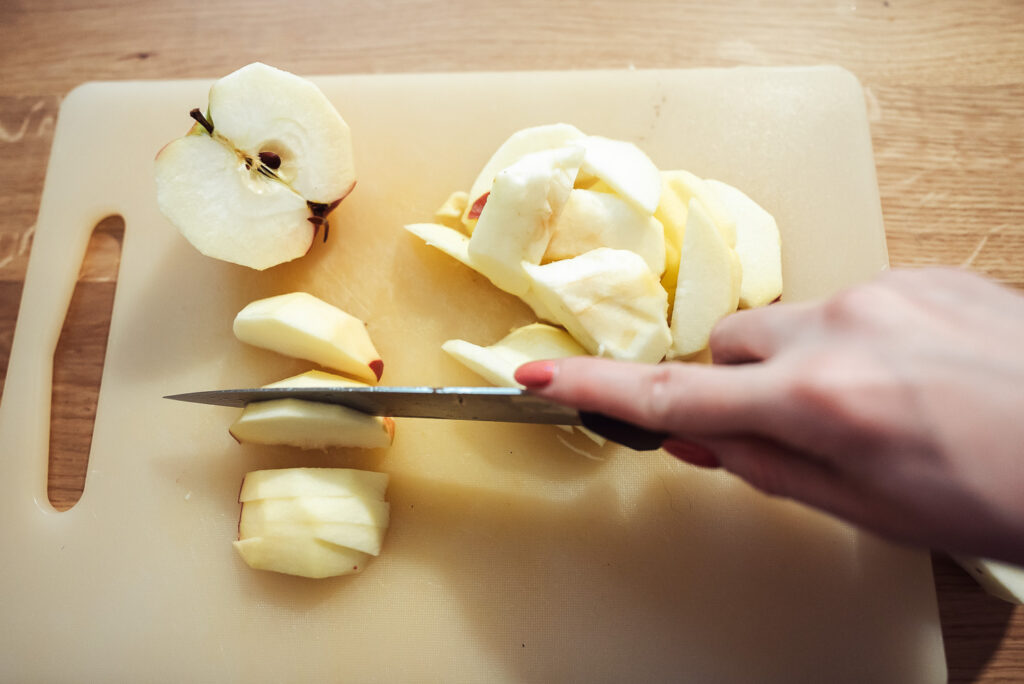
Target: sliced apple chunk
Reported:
point(300, 556)
point(305, 327)
point(758, 245)
point(516, 223)
point(709, 283)
point(319, 509)
point(518, 145)
point(610, 301)
point(365, 538)
point(498, 362)
point(592, 219)
point(290, 482)
point(688, 186)
point(625, 168)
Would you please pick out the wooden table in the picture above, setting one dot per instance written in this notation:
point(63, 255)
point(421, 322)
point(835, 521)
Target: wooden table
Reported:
point(944, 81)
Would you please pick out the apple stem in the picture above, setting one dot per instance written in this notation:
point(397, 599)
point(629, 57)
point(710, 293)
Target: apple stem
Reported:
point(203, 121)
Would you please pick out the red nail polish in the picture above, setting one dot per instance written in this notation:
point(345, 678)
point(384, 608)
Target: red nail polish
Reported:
point(536, 374)
point(691, 453)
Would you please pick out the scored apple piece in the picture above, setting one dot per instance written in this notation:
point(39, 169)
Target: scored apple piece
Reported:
point(610, 301)
point(288, 482)
point(758, 245)
point(709, 283)
point(301, 556)
point(305, 327)
point(258, 175)
point(498, 362)
point(309, 424)
point(319, 509)
point(516, 223)
point(591, 219)
point(456, 245)
point(517, 146)
point(624, 168)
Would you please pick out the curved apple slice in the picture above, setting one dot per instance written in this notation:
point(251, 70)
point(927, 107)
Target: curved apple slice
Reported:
point(224, 210)
point(260, 109)
point(305, 327)
point(624, 168)
point(518, 145)
point(300, 556)
point(498, 362)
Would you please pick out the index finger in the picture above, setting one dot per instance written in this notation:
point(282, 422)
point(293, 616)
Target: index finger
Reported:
point(678, 398)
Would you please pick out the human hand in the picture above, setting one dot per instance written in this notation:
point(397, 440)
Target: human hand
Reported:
point(897, 405)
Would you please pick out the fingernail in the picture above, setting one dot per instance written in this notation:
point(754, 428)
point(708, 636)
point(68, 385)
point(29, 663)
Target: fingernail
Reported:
point(536, 374)
point(691, 453)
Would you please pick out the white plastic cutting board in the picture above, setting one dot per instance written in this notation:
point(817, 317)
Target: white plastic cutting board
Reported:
point(515, 553)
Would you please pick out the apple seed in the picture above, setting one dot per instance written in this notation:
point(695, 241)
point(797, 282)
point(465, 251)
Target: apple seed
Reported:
point(270, 160)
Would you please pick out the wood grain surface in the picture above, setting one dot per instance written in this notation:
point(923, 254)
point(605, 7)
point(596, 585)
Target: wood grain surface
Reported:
point(943, 79)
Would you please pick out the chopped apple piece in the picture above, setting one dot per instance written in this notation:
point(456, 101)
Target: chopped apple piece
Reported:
point(592, 219)
point(687, 186)
point(625, 168)
point(290, 482)
point(1001, 580)
point(516, 223)
point(319, 509)
point(365, 538)
point(757, 245)
point(305, 327)
point(518, 145)
point(450, 213)
point(498, 362)
point(456, 245)
point(259, 174)
point(610, 301)
point(709, 283)
point(301, 556)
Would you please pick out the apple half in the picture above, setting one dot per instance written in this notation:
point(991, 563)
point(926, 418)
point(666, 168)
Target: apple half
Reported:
point(312, 522)
point(309, 424)
point(302, 326)
point(258, 175)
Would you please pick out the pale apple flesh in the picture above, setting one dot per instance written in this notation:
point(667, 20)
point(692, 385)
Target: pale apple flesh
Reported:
point(999, 579)
point(258, 175)
point(289, 482)
point(305, 327)
point(498, 362)
point(624, 168)
point(301, 556)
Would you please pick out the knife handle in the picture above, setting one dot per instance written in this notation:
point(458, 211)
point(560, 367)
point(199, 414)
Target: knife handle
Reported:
point(621, 432)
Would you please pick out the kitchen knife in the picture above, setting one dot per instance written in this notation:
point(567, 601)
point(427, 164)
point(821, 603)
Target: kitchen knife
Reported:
point(501, 404)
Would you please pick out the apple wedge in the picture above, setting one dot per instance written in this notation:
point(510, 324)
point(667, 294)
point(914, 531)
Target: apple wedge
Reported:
point(456, 245)
point(609, 300)
point(516, 223)
point(592, 219)
point(291, 482)
point(300, 556)
point(260, 172)
point(311, 425)
point(671, 213)
point(625, 168)
point(305, 327)
point(688, 186)
point(758, 245)
point(517, 146)
point(709, 283)
point(498, 362)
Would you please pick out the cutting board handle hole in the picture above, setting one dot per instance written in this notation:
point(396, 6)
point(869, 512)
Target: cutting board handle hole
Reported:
point(78, 363)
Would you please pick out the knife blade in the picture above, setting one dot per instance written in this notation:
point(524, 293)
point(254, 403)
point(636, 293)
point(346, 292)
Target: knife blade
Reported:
point(499, 404)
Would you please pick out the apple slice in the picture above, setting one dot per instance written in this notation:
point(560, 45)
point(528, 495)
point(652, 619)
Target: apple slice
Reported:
point(305, 327)
point(1001, 580)
point(300, 556)
point(259, 174)
point(319, 509)
point(688, 186)
point(498, 362)
point(592, 219)
point(312, 425)
point(671, 213)
point(456, 245)
point(516, 223)
point(290, 482)
point(625, 168)
point(450, 213)
point(610, 301)
point(758, 245)
point(709, 283)
point(365, 538)
point(518, 145)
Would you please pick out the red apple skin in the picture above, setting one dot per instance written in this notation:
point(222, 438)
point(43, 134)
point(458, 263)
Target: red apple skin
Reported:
point(377, 367)
point(478, 206)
